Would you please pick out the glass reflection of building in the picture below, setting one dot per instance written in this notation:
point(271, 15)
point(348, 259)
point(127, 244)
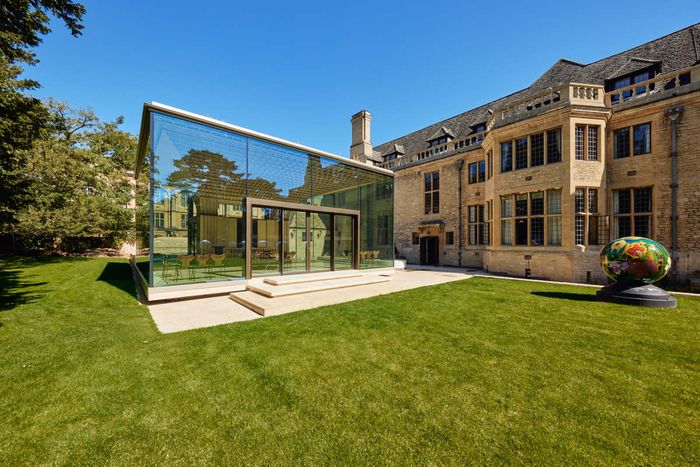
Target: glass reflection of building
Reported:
point(325, 212)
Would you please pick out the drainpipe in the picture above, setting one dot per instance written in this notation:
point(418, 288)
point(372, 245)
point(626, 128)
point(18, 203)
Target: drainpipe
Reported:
point(460, 167)
point(674, 114)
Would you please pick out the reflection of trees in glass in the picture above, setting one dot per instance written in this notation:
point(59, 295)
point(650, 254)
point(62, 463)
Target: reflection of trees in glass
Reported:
point(263, 188)
point(211, 175)
point(204, 170)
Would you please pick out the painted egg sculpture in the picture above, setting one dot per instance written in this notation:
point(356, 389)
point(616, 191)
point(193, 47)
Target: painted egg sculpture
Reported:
point(635, 259)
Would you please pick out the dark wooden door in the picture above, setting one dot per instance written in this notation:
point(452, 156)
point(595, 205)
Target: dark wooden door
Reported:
point(429, 251)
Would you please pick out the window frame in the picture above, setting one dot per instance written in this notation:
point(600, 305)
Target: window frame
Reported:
point(630, 147)
point(527, 139)
point(559, 144)
point(509, 165)
point(542, 217)
point(476, 225)
point(532, 146)
point(520, 217)
point(595, 156)
point(582, 142)
point(489, 168)
point(551, 215)
point(159, 220)
point(472, 178)
point(633, 213)
point(634, 139)
point(431, 194)
point(534, 216)
point(586, 215)
point(519, 156)
point(579, 142)
point(506, 219)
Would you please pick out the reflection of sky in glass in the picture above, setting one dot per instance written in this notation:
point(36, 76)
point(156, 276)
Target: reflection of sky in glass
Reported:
point(287, 170)
point(173, 138)
point(284, 166)
point(160, 194)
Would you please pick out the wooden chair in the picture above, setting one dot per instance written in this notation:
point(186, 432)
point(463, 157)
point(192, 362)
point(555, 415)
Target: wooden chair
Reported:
point(218, 261)
point(185, 262)
point(206, 262)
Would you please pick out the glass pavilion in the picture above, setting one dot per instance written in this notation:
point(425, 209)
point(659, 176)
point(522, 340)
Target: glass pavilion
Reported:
point(226, 203)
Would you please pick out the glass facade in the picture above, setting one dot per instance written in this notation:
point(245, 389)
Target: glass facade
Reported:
point(200, 178)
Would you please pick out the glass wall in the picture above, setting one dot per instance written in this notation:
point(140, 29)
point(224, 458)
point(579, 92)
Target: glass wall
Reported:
point(266, 245)
point(336, 184)
point(198, 186)
point(343, 248)
point(278, 173)
point(200, 176)
point(376, 205)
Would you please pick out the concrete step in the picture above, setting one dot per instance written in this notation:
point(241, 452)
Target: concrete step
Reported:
point(252, 301)
point(275, 291)
point(304, 296)
point(312, 277)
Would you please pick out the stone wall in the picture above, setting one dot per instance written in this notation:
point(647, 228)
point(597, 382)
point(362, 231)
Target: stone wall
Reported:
point(568, 266)
point(654, 170)
point(569, 261)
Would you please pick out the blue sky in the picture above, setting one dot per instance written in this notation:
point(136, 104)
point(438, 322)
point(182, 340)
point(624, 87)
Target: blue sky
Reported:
point(299, 70)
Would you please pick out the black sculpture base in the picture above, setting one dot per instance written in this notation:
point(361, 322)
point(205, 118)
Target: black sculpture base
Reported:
point(637, 293)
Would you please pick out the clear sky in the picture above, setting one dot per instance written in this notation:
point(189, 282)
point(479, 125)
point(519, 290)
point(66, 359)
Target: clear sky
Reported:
point(298, 70)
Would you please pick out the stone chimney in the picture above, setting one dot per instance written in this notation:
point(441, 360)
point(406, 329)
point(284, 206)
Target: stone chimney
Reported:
point(361, 146)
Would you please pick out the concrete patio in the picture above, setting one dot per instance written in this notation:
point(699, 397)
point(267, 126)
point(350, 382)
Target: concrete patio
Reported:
point(213, 311)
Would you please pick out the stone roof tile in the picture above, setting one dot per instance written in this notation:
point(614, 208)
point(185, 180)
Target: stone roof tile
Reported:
point(674, 51)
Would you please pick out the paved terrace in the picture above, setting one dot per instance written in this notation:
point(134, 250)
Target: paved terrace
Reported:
point(213, 311)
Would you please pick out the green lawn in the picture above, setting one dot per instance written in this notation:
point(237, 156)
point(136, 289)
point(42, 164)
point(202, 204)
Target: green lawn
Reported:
point(481, 371)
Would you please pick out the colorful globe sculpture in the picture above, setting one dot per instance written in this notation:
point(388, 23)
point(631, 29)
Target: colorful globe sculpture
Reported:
point(635, 259)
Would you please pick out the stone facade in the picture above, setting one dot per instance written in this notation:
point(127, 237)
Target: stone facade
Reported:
point(563, 244)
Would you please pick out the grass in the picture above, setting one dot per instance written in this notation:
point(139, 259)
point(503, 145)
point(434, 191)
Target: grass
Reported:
point(480, 371)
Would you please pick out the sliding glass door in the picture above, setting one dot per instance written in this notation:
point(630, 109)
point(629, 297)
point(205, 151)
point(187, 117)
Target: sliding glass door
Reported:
point(265, 244)
point(320, 242)
point(295, 243)
point(284, 239)
point(343, 245)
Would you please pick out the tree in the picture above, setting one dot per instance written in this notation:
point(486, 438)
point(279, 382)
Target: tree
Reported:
point(23, 22)
point(80, 186)
point(23, 119)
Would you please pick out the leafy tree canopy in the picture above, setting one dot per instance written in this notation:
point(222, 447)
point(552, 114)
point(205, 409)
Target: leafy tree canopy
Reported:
point(23, 119)
point(80, 181)
point(23, 22)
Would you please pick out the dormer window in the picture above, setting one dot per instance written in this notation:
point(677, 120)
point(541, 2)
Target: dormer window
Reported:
point(629, 80)
point(438, 142)
point(440, 137)
point(394, 152)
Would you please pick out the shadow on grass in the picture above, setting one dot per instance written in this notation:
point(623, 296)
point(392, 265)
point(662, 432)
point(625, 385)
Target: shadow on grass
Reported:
point(579, 297)
point(16, 289)
point(119, 275)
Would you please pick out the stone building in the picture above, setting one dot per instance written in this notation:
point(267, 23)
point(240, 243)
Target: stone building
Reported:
point(534, 183)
